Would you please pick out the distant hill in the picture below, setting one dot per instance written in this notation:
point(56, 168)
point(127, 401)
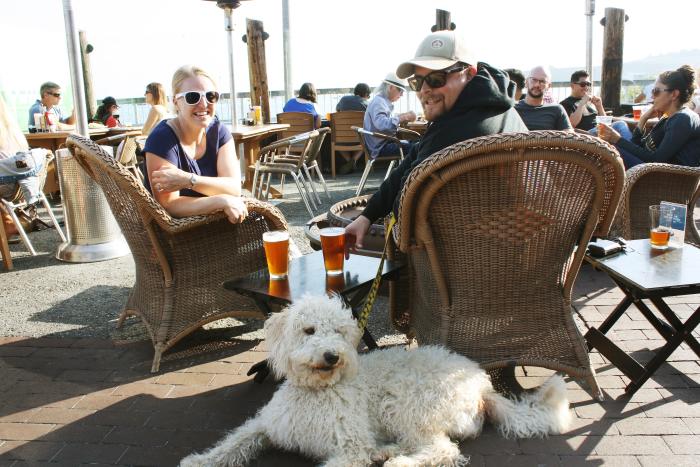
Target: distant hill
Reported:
point(644, 69)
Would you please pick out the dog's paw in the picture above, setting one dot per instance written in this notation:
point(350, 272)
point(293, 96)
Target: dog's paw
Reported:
point(382, 453)
point(401, 461)
point(196, 460)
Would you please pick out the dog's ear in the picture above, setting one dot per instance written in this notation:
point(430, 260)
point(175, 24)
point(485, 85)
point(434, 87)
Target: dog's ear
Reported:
point(274, 326)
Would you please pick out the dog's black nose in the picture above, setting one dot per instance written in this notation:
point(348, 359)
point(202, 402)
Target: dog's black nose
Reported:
point(331, 358)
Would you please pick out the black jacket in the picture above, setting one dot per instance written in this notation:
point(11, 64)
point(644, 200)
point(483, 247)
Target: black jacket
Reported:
point(484, 107)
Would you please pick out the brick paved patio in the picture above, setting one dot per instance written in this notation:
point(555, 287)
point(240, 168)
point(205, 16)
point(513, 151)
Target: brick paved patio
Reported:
point(73, 401)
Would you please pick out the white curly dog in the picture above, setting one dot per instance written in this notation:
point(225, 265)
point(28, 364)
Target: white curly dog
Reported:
point(394, 405)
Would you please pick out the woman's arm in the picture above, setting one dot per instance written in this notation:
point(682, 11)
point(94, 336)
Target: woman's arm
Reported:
point(151, 121)
point(182, 206)
point(676, 134)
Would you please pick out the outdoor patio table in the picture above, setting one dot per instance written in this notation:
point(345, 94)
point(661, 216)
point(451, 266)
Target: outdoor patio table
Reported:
point(250, 137)
point(307, 275)
point(642, 272)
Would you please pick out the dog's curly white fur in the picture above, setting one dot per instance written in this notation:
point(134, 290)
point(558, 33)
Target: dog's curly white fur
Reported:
point(394, 405)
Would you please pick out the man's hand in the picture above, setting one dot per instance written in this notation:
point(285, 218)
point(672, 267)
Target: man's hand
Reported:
point(355, 234)
point(409, 116)
point(595, 100)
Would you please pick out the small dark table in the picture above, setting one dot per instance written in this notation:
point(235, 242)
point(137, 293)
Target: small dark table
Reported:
point(308, 275)
point(645, 273)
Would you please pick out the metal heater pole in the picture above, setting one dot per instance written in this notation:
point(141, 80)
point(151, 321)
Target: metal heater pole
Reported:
point(287, 52)
point(590, 11)
point(228, 25)
point(76, 69)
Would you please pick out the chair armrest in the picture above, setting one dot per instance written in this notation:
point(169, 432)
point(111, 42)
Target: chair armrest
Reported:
point(408, 134)
point(112, 140)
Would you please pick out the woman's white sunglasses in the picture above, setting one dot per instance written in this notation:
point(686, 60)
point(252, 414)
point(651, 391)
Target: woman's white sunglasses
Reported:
point(193, 97)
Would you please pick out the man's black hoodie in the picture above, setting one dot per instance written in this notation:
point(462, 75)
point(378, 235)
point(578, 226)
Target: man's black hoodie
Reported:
point(484, 107)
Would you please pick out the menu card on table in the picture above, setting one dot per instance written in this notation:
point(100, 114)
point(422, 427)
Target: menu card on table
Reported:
point(676, 223)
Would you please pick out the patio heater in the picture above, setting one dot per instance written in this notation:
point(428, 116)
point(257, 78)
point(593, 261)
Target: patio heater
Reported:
point(590, 11)
point(93, 233)
point(228, 6)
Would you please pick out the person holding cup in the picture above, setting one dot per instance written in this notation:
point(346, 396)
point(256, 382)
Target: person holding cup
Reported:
point(191, 161)
point(675, 139)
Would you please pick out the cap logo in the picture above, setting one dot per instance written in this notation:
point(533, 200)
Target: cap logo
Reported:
point(437, 44)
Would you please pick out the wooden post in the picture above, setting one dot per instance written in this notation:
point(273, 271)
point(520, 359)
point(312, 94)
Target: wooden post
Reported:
point(90, 101)
point(259, 92)
point(442, 20)
point(611, 75)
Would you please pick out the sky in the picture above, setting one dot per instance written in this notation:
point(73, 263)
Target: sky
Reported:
point(335, 43)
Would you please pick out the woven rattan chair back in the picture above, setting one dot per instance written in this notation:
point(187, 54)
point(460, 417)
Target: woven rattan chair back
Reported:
point(648, 184)
point(299, 122)
point(491, 227)
point(180, 262)
point(343, 137)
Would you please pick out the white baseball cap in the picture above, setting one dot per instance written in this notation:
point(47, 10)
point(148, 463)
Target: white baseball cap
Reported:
point(394, 80)
point(438, 51)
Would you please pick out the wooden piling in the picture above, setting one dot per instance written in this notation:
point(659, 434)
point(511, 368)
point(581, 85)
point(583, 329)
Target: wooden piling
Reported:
point(611, 75)
point(90, 101)
point(442, 20)
point(257, 67)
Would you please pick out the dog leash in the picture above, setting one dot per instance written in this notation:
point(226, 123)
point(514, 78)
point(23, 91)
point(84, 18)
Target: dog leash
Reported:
point(363, 316)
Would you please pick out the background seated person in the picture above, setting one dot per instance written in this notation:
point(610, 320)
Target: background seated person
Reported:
point(156, 98)
point(517, 77)
point(379, 117)
point(675, 139)
point(50, 98)
point(108, 112)
point(304, 102)
point(583, 107)
point(461, 99)
point(358, 101)
point(536, 114)
point(191, 159)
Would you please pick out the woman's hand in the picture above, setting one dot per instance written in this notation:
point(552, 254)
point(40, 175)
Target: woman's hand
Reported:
point(608, 134)
point(234, 208)
point(170, 179)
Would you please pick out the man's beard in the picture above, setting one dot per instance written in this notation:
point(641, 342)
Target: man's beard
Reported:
point(535, 96)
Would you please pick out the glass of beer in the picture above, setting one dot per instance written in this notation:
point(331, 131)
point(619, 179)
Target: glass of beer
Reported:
point(277, 253)
point(333, 246)
point(660, 226)
point(637, 111)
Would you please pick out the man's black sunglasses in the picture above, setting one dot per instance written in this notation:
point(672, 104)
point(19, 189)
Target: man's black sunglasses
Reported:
point(435, 79)
point(584, 84)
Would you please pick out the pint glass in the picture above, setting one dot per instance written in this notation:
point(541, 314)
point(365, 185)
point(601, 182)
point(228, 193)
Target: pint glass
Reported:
point(333, 246)
point(277, 253)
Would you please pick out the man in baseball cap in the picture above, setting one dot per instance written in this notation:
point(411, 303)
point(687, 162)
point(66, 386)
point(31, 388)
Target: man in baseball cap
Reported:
point(461, 99)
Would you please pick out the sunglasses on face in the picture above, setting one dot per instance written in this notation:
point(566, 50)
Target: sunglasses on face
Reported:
point(584, 84)
point(193, 97)
point(435, 79)
point(656, 91)
point(55, 94)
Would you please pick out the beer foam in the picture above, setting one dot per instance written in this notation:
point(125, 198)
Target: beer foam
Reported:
point(332, 231)
point(276, 236)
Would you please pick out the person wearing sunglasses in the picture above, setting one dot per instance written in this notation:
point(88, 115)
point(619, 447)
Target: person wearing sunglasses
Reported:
point(536, 114)
point(380, 117)
point(156, 98)
point(191, 162)
point(461, 99)
point(50, 93)
point(675, 139)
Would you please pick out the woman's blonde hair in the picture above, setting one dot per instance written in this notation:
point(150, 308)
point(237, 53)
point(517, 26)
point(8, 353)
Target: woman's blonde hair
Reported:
point(157, 90)
point(11, 137)
point(186, 72)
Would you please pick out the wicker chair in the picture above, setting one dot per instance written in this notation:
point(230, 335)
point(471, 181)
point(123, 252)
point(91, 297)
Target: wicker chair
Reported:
point(648, 184)
point(495, 230)
point(180, 263)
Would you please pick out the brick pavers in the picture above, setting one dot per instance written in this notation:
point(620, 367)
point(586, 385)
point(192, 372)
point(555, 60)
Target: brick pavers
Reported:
point(73, 401)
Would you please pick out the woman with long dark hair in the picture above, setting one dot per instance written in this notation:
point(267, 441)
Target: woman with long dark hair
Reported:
point(108, 112)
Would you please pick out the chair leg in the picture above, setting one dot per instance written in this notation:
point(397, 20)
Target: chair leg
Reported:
point(23, 235)
point(46, 204)
point(323, 180)
point(267, 187)
point(300, 176)
point(159, 348)
point(389, 169)
point(595, 389)
point(281, 184)
point(365, 174)
point(5, 247)
point(255, 181)
point(311, 182)
point(303, 196)
point(333, 160)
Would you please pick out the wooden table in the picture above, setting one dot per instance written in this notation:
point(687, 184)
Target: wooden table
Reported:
point(419, 125)
point(642, 272)
point(250, 137)
point(307, 275)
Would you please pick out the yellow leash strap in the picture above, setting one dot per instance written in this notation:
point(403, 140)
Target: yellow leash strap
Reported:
point(363, 317)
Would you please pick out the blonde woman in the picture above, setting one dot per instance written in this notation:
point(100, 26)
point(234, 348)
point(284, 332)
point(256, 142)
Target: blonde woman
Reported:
point(191, 159)
point(155, 97)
